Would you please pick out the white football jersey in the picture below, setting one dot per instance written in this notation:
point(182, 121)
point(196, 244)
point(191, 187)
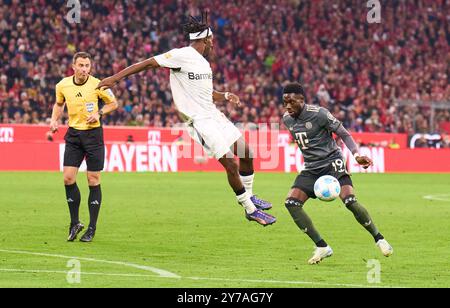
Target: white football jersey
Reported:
point(191, 81)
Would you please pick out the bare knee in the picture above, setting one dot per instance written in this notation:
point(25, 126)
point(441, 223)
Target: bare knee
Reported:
point(297, 194)
point(346, 193)
point(93, 178)
point(69, 179)
point(70, 175)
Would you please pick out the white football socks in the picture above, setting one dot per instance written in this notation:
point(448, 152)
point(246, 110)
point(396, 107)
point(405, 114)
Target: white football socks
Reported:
point(248, 183)
point(245, 201)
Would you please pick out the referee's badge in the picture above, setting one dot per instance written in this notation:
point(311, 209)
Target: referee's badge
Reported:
point(90, 107)
point(308, 125)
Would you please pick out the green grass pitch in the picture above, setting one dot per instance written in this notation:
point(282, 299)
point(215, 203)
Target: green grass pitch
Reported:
point(190, 225)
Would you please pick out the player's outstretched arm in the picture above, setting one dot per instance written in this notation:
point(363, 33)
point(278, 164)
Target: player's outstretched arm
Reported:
point(364, 161)
point(130, 70)
point(228, 96)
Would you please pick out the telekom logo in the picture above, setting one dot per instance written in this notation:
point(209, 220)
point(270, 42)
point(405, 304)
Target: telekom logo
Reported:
point(154, 137)
point(283, 140)
point(6, 134)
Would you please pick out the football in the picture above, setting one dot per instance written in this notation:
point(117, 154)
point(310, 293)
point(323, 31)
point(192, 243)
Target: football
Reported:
point(327, 188)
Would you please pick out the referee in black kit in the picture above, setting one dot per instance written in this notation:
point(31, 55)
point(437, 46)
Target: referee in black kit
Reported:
point(84, 139)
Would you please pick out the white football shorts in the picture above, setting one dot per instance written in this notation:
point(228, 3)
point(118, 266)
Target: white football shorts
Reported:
point(215, 133)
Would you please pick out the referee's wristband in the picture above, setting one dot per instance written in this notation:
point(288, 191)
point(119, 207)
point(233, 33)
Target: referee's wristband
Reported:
point(227, 95)
point(356, 155)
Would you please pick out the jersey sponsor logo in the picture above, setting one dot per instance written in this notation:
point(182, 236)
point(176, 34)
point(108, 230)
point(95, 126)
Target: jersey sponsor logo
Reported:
point(302, 140)
point(193, 76)
point(89, 107)
point(6, 134)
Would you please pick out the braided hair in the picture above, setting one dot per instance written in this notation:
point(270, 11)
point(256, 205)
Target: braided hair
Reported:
point(194, 25)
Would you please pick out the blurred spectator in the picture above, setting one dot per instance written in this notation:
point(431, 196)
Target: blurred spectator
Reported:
point(421, 143)
point(446, 141)
point(394, 145)
point(427, 141)
point(355, 69)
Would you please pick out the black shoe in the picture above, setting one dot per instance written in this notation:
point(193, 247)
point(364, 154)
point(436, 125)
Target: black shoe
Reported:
point(88, 236)
point(74, 230)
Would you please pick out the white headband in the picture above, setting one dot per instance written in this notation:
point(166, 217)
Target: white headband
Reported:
point(200, 35)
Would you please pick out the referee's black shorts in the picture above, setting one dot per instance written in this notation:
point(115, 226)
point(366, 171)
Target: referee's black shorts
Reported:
point(87, 144)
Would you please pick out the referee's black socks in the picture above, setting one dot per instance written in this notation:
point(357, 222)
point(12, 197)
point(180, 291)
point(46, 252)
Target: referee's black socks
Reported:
point(73, 198)
point(95, 200)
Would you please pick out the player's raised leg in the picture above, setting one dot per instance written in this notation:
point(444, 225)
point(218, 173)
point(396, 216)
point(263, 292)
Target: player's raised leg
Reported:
point(247, 173)
point(73, 198)
point(243, 196)
point(294, 204)
point(363, 217)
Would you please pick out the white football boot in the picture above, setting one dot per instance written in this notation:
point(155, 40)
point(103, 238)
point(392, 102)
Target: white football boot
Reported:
point(385, 248)
point(320, 253)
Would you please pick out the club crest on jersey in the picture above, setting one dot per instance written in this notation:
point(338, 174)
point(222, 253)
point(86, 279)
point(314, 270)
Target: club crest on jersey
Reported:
point(89, 107)
point(308, 125)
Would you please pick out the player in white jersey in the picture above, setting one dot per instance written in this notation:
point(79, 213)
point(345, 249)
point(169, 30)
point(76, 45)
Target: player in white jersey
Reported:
point(191, 82)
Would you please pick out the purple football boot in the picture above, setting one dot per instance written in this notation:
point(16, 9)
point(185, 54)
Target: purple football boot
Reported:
point(261, 204)
point(261, 218)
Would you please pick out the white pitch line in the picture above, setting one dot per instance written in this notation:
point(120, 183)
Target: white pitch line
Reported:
point(158, 271)
point(438, 197)
point(166, 274)
point(293, 282)
point(13, 270)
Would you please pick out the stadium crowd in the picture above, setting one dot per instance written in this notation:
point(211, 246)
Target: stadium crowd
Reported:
point(360, 71)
